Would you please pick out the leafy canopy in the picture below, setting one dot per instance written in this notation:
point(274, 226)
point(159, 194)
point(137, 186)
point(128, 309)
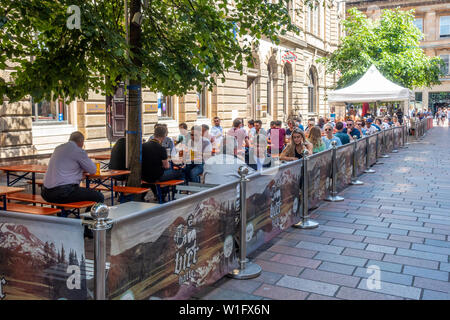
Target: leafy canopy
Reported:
point(185, 44)
point(390, 43)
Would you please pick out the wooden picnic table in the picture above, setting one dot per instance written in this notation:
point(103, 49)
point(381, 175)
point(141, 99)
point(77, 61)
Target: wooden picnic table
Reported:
point(25, 169)
point(103, 178)
point(103, 158)
point(4, 191)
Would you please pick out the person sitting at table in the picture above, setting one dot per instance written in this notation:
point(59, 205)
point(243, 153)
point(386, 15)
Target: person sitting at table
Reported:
point(328, 137)
point(155, 163)
point(64, 173)
point(315, 137)
point(167, 142)
point(118, 155)
point(223, 168)
point(200, 150)
point(294, 150)
point(257, 157)
point(184, 134)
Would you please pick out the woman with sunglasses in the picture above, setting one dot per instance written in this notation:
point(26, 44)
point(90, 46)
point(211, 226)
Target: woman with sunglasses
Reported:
point(294, 150)
point(330, 137)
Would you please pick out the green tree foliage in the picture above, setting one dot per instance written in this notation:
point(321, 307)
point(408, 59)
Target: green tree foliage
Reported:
point(390, 43)
point(185, 44)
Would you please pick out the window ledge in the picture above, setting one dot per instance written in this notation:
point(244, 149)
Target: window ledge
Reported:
point(50, 123)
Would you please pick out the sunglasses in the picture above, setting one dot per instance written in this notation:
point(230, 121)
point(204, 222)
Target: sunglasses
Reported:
point(327, 129)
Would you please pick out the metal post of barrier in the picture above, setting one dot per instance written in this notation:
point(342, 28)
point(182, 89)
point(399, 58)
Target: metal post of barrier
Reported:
point(305, 223)
point(384, 155)
point(333, 197)
point(416, 130)
point(99, 225)
point(247, 269)
point(407, 135)
point(393, 140)
point(368, 170)
point(355, 180)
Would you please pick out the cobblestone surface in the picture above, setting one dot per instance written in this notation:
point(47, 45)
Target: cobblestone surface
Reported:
point(399, 221)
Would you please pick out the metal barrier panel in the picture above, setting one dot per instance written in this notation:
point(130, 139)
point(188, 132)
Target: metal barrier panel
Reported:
point(398, 133)
point(380, 142)
point(273, 203)
point(344, 156)
point(170, 251)
point(361, 155)
point(372, 149)
point(389, 146)
point(319, 171)
point(42, 258)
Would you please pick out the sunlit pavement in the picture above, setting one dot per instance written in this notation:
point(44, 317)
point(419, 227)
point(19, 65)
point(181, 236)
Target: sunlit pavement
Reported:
point(398, 222)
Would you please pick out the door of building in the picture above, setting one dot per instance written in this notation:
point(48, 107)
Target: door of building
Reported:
point(116, 114)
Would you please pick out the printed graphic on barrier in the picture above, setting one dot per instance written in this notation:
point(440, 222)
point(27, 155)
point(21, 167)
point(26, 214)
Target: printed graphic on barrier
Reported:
point(344, 156)
point(41, 258)
point(319, 169)
point(372, 149)
point(361, 156)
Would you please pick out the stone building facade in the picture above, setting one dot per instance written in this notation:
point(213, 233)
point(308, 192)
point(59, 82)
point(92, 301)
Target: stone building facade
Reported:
point(433, 19)
point(272, 90)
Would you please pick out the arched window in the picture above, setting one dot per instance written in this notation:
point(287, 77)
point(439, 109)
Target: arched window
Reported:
point(312, 92)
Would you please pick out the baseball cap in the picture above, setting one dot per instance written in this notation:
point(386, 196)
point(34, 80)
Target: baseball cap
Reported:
point(369, 120)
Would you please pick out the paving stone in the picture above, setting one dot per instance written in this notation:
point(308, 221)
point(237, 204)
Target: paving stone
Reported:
point(441, 231)
point(417, 262)
point(349, 244)
point(293, 251)
point(337, 267)
point(341, 259)
point(442, 286)
point(343, 236)
point(389, 243)
point(280, 293)
point(409, 227)
point(426, 273)
point(387, 230)
point(319, 247)
point(314, 296)
point(305, 237)
point(224, 294)
point(365, 218)
point(346, 225)
point(397, 217)
point(397, 237)
point(427, 235)
point(362, 254)
point(279, 267)
point(336, 229)
point(296, 261)
point(330, 277)
point(421, 255)
point(435, 295)
point(385, 276)
point(247, 286)
point(386, 266)
point(308, 285)
point(268, 277)
point(431, 248)
point(372, 234)
point(372, 223)
point(444, 266)
point(394, 289)
point(357, 294)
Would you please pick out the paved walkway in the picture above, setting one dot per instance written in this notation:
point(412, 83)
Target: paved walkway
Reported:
point(399, 220)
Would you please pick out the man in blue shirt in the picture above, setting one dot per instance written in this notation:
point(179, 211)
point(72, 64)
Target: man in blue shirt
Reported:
point(343, 136)
point(351, 130)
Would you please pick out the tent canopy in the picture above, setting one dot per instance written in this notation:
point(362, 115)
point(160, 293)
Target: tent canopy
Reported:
point(372, 87)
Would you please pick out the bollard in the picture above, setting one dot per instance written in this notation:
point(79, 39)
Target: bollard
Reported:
point(416, 130)
point(101, 223)
point(333, 197)
point(368, 170)
point(247, 269)
point(355, 180)
point(393, 140)
point(384, 155)
point(305, 223)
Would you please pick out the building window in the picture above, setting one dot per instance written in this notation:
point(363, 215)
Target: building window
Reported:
point(269, 89)
point(202, 103)
point(445, 27)
point(418, 22)
point(445, 69)
point(312, 92)
point(251, 97)
point(55, 110)
point(419, 96)
point(165, 106)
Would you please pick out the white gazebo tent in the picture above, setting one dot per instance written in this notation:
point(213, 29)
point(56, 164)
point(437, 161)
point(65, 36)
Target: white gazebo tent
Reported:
point(372, 87)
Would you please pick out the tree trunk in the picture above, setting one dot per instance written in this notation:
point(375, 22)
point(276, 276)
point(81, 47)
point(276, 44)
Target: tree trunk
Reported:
point(134, 134)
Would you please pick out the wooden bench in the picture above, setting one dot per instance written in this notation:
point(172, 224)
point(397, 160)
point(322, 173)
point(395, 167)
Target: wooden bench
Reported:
point(23, 208)
point(67, 208)
point(40, 182)
point(126, 193)
point(171, 184)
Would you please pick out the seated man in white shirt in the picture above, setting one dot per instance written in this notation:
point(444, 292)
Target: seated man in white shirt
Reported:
point(223, 168)
point(65, 171)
